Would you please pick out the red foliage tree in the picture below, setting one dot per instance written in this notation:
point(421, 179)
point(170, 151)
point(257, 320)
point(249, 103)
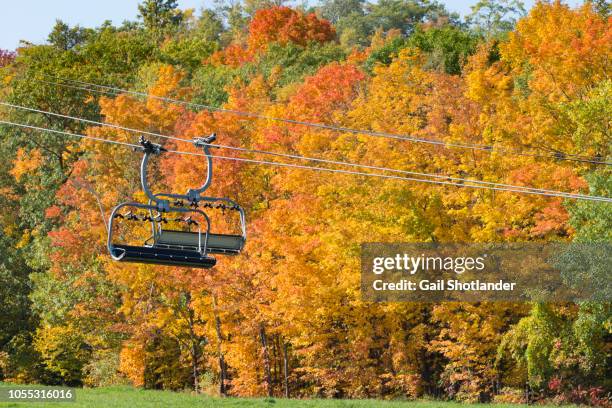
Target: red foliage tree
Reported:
point(285, 25)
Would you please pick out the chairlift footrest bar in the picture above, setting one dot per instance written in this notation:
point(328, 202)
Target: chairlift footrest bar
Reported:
point(163, 256)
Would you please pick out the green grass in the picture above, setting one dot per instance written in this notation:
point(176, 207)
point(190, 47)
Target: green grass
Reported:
point(129, 397)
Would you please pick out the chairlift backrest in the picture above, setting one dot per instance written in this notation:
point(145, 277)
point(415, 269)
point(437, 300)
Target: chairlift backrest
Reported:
point(217, 243)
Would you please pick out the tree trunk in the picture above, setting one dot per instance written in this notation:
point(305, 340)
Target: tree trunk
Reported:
point(266, 356)
point(286, 369)
point(222, 365)
point(194, 340)
point(194, 358)
point(276, 360)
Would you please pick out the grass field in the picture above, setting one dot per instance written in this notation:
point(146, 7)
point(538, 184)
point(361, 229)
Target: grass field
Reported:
point(128, 397)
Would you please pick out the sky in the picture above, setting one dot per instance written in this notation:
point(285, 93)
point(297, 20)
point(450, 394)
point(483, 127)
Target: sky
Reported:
point(32, 20)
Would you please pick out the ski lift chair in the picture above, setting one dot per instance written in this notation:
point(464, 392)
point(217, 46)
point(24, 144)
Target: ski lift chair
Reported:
point(152, 252)
point(177, 247)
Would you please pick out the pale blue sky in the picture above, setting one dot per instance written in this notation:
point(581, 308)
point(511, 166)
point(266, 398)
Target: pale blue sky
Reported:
point(32, 20)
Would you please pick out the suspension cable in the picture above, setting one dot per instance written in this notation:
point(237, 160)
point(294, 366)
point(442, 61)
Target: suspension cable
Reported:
point(289, 156)
point(109, 90)
point(338, 171)
point(98, 139)
point(385, 176)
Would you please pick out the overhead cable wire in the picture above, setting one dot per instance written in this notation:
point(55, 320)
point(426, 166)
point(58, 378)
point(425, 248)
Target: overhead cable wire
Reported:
point(289, 156)
point(385, 176)
point(98, 139)
point(337, 171)
point(109, 90)
point(91, 122)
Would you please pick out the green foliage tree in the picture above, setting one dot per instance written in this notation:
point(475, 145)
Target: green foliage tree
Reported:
point(210, 84)
point(16, 319)
point(553, 342)
point(591, 261)
point(160, 16)
point(293, 62)
point(602, 6)
point(587, 120)
point(492, 18)
point(233, 16)
point(66, 38)
point(384, 55)
point(108, 55)
point(356, 21)
point(404, 15)
point(531, 341)
point(188, 53)
point(251, 6)
point(447, 48)
point(63, 352)
point(209, 26)
point(337, 10)
point(354, 29)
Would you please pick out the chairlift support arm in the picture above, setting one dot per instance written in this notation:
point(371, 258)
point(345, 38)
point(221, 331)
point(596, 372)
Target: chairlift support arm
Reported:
point(148, 149)
point(194, 195)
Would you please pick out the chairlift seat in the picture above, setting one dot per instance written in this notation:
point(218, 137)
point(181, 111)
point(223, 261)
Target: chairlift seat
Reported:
point(163, 256)
point(226, 244)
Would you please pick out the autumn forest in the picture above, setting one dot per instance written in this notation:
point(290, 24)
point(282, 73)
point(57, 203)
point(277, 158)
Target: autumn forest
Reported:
point(285, 318)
